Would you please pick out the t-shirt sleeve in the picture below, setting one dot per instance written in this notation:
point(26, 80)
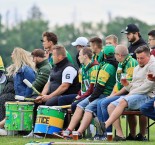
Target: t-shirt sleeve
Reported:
point(69, 75)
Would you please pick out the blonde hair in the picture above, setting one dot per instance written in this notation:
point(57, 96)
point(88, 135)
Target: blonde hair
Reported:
point(22, 57)
point(10, 70)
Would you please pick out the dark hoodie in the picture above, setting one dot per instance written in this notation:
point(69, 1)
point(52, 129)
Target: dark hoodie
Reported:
point(99, 88)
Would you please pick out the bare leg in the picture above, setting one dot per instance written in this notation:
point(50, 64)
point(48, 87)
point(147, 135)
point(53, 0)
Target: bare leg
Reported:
point(2, 123)
point(116, 114)
point(142, 124)
point(88, 116)
point(76, 118)
point(117, 123)
point(132, 119)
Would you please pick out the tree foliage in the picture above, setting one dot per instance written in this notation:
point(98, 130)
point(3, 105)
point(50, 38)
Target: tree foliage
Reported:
point(27, 34)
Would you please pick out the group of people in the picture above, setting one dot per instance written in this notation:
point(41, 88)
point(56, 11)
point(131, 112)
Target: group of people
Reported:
point(95, 89)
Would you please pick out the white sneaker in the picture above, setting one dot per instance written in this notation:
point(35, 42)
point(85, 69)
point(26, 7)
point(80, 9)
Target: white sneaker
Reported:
point(31, 134)
point(3, 132)
point(37, 136)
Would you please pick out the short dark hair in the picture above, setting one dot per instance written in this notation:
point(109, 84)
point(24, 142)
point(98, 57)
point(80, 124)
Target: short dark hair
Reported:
point(97, 41)
point(51, 37)
point(87, 51)
point(152, 33)
point(60, 50)
point(143, 48)
point(38, 53)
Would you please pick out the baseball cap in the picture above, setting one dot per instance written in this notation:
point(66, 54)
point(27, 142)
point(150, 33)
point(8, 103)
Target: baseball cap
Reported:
point(83, 41)
point(131, 28)
point(109, 50)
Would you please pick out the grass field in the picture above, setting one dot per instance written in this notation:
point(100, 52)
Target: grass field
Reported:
point(19, 140)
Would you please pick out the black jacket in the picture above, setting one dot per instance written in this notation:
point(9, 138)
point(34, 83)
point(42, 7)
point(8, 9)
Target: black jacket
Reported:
point(134, 46)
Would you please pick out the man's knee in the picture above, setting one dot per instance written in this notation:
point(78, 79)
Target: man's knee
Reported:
point(111, 107)
point(123, 103)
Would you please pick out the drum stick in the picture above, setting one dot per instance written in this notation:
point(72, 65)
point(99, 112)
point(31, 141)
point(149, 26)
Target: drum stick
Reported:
point(57, 135)
point(22, 98)
point(31, 86)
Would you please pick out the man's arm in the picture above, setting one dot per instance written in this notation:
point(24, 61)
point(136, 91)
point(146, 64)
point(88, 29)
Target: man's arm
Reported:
point(46, 87)
point(68, 76)
point(60, 90)
point(119, 93)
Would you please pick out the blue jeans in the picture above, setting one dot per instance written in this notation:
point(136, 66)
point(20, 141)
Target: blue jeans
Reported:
point(102, 112)
point(90, 107)
point(134, 101)
point(148, 109)
point(66, 99)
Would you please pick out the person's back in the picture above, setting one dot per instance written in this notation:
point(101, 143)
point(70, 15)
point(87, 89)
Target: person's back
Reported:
point(24, 69)
point(43, 69)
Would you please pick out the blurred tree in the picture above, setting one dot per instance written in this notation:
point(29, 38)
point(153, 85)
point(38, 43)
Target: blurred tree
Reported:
point(115, 26)
point(26, 34)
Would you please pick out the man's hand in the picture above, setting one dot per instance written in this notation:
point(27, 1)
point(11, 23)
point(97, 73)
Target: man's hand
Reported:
point(45, 98)
point(124, 82)
point(38, 100)
point(151, 77)
point(77, 97)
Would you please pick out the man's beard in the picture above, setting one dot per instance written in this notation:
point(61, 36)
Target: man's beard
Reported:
point(133, 39)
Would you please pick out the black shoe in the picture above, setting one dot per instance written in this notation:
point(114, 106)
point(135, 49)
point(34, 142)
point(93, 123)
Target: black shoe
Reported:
point(130, 137)
point(118, 138)
point(102, 124)
point(80, 135)
point(139, 137)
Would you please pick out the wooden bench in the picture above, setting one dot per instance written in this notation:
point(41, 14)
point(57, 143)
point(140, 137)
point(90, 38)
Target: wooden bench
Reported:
point(126, 112)
point(135, 112)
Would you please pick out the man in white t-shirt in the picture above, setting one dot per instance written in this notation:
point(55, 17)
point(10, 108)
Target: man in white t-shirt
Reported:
point(63, 79)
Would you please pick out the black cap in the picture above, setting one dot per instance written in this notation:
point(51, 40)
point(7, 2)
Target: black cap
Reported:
point(131, 28)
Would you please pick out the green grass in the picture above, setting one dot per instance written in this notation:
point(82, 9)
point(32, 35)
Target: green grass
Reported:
point(19, 140)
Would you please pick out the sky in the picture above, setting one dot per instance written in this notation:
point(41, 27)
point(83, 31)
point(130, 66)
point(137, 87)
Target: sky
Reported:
point(68, 11)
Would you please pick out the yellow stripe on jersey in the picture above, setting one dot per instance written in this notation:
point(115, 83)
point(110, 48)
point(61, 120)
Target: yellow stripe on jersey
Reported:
point(103, 77)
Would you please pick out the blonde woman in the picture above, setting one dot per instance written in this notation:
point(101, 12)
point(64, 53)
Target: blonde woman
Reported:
point(24, 69)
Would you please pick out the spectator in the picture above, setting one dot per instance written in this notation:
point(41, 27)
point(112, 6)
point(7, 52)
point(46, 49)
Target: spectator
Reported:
point(24, 69)
point(2, 76)
point(8, 93)
point(104, 85)
point(49, 40)
point(89, 74)
point(80, 43)
point(134, 37)
point(126, 65)
point(43, 69)
point(148, 109)
point(96, 46)
point(63, 79)
point(151, 41)
point(111, 40)
point(140, 91)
